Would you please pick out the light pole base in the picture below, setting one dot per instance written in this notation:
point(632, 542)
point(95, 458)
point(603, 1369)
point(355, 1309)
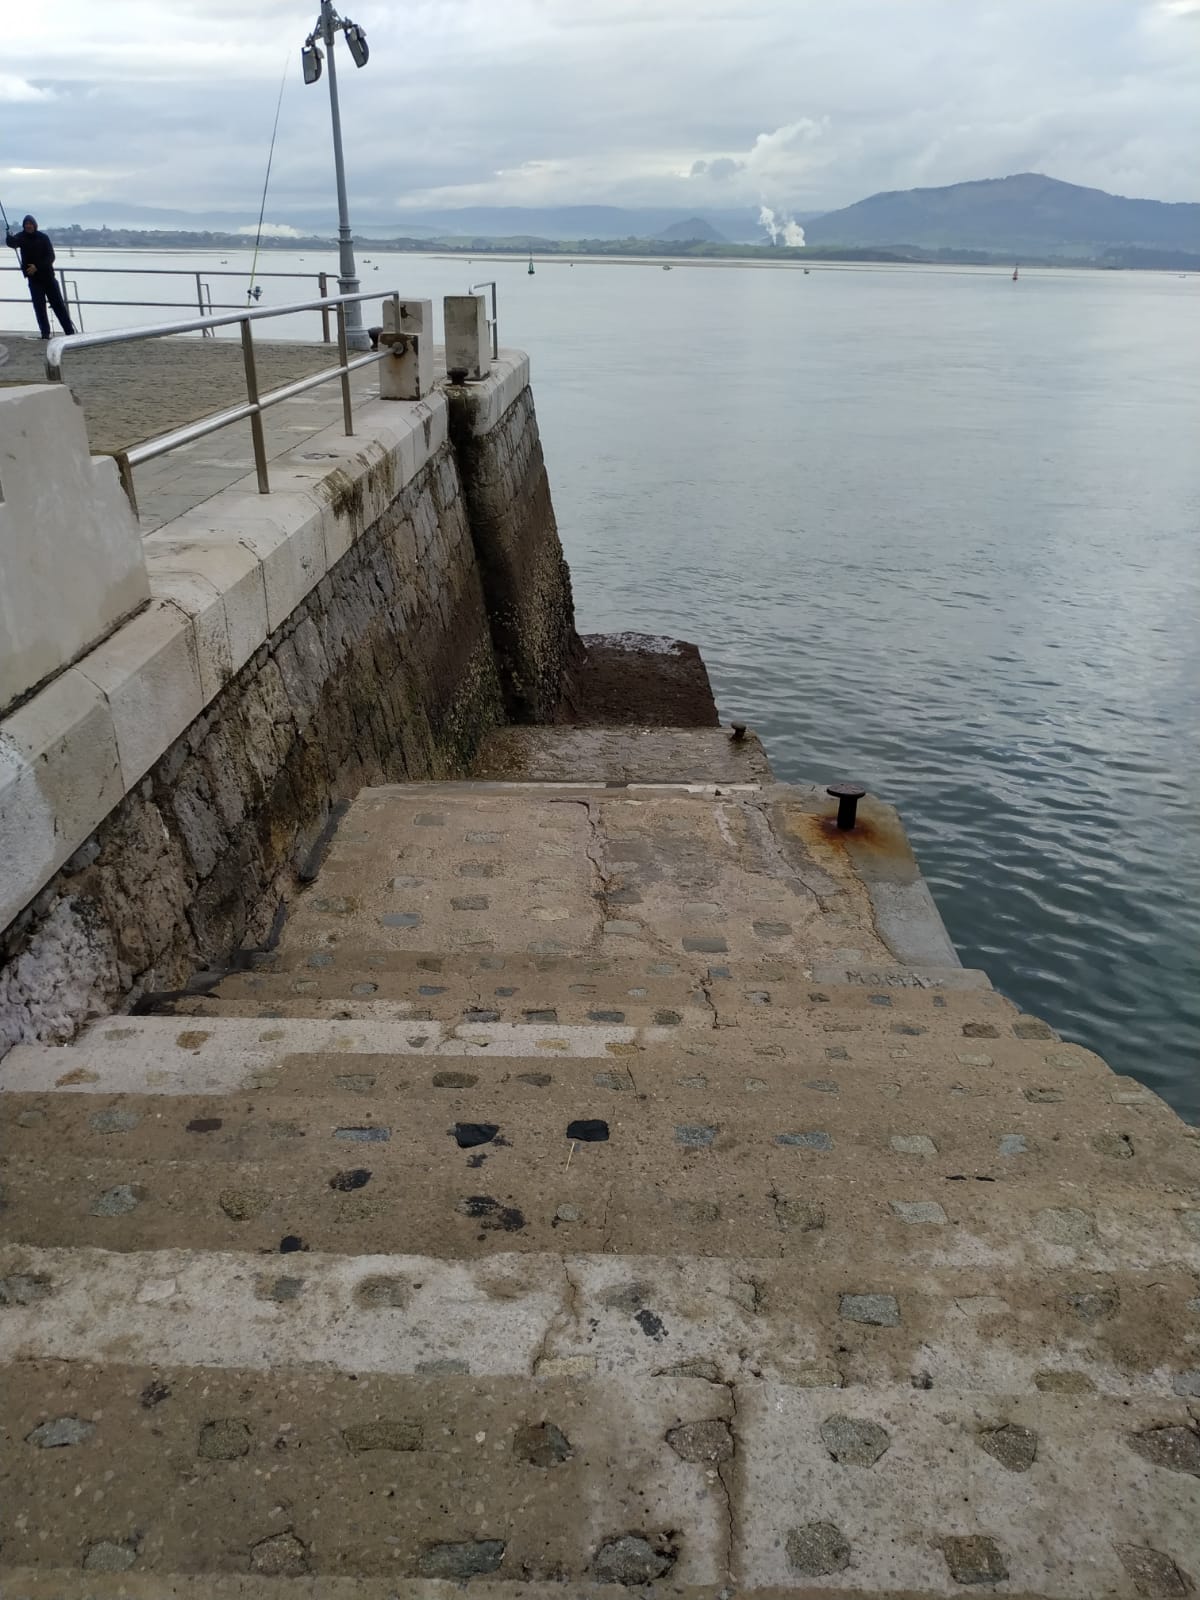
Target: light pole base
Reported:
point(357, 337)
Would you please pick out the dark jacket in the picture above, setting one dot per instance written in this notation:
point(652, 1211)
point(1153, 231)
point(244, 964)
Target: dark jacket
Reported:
point(36, 251)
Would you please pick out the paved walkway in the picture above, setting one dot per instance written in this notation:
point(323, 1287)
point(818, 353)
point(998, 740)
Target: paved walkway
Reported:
point(136, 391)
point(584, 1195)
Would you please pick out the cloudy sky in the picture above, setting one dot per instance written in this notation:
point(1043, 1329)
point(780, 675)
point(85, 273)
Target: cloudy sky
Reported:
point(802, 104)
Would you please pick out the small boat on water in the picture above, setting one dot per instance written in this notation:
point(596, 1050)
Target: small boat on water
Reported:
point(666, 266)
point(1014, 276)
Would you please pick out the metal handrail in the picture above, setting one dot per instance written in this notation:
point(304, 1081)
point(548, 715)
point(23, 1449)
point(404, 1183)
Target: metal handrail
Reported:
point(255, 403)
point(203, 294)
point(494, 319)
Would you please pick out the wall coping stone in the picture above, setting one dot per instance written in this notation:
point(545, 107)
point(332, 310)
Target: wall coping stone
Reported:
point(223, 577)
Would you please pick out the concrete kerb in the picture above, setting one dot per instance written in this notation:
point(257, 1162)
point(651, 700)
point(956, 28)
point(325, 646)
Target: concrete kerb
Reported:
point(906, 917)
point(488, 399)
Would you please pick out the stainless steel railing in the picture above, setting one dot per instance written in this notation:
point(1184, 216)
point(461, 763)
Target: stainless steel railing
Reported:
point(201, 297)
point(255, 404)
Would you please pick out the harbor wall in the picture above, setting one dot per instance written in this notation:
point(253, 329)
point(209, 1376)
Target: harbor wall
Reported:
point(397, 596)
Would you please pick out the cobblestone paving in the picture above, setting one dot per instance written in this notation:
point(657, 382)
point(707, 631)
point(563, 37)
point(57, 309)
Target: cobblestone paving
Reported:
point(133, 392)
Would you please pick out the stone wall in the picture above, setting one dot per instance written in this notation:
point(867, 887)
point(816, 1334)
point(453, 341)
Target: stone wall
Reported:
point(383, 669)
point(525, 577)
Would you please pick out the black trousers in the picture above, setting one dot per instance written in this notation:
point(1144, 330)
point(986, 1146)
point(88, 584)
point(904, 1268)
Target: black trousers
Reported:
point(41, 292)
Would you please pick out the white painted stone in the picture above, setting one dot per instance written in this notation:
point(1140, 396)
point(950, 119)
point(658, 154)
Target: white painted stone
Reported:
point(491, 399)
point(214, 1313)
point(200, 600)
point(149, 673)
point(141, 1055)
point(416, 316)
point(407, 374)
point(176, 559)
point(60, 775)
point(71, 561)
point(468, 339)
point(286, 532)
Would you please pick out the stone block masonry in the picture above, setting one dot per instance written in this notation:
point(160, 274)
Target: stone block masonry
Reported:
point(524, 573)
point(158, 798)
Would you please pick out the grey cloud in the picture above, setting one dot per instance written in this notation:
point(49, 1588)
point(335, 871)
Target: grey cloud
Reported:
point(627, 101)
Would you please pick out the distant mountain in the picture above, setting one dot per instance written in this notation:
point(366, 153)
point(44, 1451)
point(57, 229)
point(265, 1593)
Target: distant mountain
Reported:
point(1026, 214)
point(462, 222)
point(577, 222)
point(1026, 217)
point(694, 228)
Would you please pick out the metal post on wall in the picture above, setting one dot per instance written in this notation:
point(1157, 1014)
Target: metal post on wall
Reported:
point(343, 358)
point(323, 287)
point(205, 333)
point(256, 422)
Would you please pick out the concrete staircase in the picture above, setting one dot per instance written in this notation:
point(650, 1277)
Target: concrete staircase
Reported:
point(598, 1187)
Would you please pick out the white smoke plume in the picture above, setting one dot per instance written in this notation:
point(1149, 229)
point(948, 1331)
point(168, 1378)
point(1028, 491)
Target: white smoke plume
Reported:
point(782, 229)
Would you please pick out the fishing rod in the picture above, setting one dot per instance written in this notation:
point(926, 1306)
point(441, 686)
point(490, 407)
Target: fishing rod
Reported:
point(17, 253)
point(262, 210)
point(7, 225)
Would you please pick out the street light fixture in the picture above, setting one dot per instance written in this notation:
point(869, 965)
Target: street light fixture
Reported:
point(311, 56)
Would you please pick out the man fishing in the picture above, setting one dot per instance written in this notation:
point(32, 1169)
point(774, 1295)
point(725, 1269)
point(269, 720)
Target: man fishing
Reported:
point(37, 263)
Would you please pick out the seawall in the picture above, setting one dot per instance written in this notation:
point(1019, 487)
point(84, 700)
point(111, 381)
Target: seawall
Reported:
point(398, 594)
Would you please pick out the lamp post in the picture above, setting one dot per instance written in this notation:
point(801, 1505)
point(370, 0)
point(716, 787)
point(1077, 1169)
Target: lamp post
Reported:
point(310, 59)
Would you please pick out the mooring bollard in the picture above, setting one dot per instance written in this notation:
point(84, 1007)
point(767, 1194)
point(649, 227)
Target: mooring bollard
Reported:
point(847, 796)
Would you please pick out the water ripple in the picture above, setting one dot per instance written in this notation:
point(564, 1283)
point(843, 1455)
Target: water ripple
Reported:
point(915, 551)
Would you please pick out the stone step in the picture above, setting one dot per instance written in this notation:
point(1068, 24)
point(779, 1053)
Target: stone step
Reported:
point(684, 1073)
point(809, 1323)
point(433, 996)
point(172, 1055)
point(767, 1485)
point(650, 874)
point(229, 1472)
point(621, 755)
point(455, 1161)
point(902, 1219)
point(987, 1124)
point(569, 989)
point(426, 990)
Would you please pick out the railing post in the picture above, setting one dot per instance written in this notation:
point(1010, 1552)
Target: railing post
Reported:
point(205, 333)
point(343, 358)
point(323, 287)
point(494, 319)
point(256, 423)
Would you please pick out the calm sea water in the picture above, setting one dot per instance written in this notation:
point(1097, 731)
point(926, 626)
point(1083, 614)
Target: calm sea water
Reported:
point(931, 529)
